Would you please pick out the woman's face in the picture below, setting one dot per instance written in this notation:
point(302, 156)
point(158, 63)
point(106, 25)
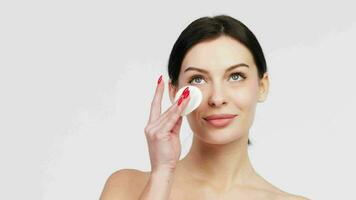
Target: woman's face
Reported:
point(235, 91)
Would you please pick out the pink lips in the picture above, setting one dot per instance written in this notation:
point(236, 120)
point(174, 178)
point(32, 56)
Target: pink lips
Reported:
point(220, 120)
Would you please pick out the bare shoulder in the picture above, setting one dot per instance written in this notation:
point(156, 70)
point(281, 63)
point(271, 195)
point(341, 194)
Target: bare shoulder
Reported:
point(124, 184)
point(288, 196)
point(279, 195)
point(298, 197)
point(274, 192)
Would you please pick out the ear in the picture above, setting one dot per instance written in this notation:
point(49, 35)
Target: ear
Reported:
point(172, 91)
point(263, 88)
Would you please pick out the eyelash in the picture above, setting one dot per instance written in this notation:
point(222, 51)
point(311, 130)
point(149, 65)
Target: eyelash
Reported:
point(200, 76)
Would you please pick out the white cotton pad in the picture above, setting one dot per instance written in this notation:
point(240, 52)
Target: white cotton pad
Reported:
point(196, 97)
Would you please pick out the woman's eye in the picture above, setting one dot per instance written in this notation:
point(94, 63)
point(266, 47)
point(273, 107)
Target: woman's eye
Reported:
point(237, 74)
point(196, 78)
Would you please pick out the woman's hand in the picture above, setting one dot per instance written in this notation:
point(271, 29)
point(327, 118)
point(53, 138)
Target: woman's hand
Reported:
point(162, 131)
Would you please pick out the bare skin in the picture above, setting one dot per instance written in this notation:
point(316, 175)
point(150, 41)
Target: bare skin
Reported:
point(186, 187)
point(217, 165)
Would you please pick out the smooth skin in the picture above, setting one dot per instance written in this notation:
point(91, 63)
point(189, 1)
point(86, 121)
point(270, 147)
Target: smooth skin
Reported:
point(217, 165)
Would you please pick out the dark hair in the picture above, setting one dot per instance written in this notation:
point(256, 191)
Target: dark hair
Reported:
point(207, 28)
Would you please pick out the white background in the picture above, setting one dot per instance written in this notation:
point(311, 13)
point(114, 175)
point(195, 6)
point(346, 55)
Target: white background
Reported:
point(77, 79)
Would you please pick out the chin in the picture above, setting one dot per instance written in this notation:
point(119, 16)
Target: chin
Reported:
point(220, 136)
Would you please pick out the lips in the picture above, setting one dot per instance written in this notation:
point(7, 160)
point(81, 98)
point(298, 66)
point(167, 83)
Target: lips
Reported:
point(220, 120)
point(219, 116)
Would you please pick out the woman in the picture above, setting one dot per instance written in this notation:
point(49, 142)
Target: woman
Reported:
point(223, 58)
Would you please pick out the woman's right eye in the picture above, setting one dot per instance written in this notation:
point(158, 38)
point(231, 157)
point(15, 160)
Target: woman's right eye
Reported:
point(195, 78)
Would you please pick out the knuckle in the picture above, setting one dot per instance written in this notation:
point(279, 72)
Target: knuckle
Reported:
point(152, 133)
point(175, 115)
point(147, 130)
point(170, 123)
point(157, 136)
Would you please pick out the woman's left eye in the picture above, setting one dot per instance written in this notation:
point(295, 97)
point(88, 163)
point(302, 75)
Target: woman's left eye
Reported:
point(238, 74)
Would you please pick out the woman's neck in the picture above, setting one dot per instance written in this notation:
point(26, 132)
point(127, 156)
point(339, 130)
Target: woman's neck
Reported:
point(221, 166)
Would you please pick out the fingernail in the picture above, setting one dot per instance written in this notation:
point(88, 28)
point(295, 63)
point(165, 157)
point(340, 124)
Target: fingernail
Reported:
point(186, 94)
point(180, 101)
point(185, 90)
point(159, 80)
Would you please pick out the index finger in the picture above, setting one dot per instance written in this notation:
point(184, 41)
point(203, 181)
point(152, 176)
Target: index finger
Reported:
point(155, 110)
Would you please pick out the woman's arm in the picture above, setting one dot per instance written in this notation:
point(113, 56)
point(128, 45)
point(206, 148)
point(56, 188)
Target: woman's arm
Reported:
point(159, 185)
point(162, 134)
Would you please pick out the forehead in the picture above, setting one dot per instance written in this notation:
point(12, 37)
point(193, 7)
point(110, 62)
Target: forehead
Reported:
point(216, 54)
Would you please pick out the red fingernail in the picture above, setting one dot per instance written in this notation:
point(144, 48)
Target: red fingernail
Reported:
point(186, 94)
point(180, 101)
point(185, 90)
point(159, 80)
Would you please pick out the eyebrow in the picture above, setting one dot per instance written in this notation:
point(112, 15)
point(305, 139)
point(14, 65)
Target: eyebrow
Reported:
point(206, 72)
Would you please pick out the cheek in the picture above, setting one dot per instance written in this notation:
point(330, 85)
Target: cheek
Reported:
point(246, 101)
point(245, 98)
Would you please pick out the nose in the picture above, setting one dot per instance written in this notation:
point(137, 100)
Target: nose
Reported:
point(217, 97)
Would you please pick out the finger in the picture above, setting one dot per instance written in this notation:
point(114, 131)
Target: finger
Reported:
point(163, 118)
point(169, 122)
point(174, 107)
point(176, 128)
point(156, 103)
point(164, 126)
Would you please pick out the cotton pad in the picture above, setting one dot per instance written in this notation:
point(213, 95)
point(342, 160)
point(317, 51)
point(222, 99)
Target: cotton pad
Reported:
point(196, 97)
